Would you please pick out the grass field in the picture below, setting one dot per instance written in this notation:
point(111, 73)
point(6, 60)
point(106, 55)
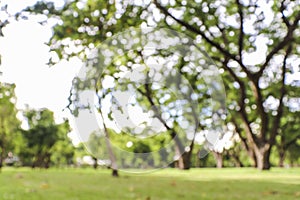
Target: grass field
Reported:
point(89, 184)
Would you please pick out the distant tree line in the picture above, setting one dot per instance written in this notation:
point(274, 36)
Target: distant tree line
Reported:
point(46, 144)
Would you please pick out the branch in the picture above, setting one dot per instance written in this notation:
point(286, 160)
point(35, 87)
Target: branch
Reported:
point(2, 25)
point(154, 107)
point(241, 36)
point(195, 30)
point(148, 95)
point(250, 135)
point(224, 37)
point(260, 108)
point(283, 92)
point(208, 40)
point(282, 8)
point(195, 117)
point(239, 132)
point(188, 97)
point(286, 40)
point(111, 154)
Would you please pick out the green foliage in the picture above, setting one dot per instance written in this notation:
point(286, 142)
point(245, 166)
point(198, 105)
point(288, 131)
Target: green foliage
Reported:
point(46, 140)
point(9, 123)
point(128, 144)
point(85, 24)
point(62, 153)
point(228, 31)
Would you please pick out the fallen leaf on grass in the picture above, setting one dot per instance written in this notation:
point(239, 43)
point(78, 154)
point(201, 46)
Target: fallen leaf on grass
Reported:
point(173, 183)
point(131, 188)
point(297, 194)
point(44, 186)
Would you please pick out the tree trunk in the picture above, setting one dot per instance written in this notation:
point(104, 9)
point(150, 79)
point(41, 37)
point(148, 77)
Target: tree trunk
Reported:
point(1, 158)
point(184, 157)
point(281, 161)
point(95, 165)
point(254, 159)
point(245, 145)
point(236, 158)
point(281, 158)
point(237, 162)
point(115, 173)
point(112, 157)
point(252, 156)
point(219, 159)
point(47, 160)
point(184, 161)
point(263, 158)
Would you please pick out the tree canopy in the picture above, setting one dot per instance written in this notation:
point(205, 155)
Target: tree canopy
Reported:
point(9, 123)
point(254, 45)
point(46, 140)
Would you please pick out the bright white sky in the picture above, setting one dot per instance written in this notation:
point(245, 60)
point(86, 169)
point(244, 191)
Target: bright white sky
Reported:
point(24, 57)
point(24, 62)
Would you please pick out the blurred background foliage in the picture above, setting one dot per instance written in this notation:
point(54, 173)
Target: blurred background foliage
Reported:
point(254, 44)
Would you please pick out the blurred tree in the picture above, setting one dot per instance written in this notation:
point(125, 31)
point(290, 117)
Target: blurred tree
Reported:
point(62, 153)
point(234, 32)
point(9, 123)
point(43, 137)
point(288, 136)
point(93, 22)
point(96, 146)
point(293, 154)
point(79, 153)
point(254, 43)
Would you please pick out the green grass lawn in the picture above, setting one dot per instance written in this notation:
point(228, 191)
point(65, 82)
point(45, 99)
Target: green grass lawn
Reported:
point(89, 184)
